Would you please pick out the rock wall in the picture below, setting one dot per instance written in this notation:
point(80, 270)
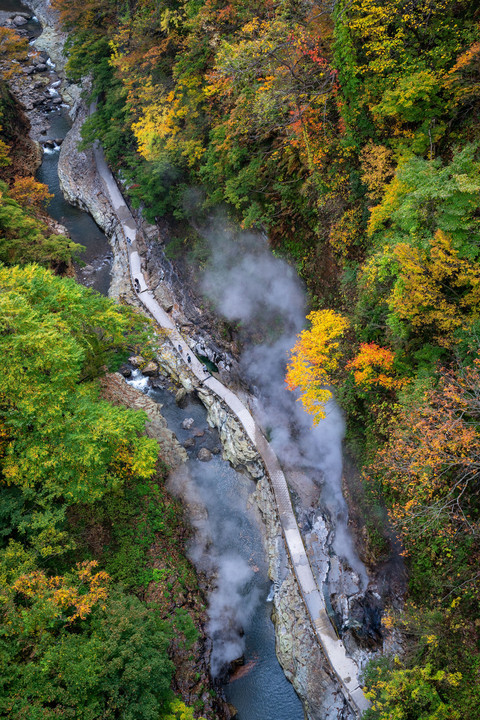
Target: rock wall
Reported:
point(82, 187)
point(116, 391)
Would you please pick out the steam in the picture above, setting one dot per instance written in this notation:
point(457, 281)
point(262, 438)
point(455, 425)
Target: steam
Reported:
point(249, 284)
point(224, 546)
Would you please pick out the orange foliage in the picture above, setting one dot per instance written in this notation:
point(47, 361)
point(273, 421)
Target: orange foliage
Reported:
point(431, 464)
point(61, 596)
point(86, 15)
point(464, 77)
point(29, 193)
point(12, 47)
point(374, 366)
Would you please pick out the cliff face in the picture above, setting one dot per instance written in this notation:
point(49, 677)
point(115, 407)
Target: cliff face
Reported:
point(25, 154)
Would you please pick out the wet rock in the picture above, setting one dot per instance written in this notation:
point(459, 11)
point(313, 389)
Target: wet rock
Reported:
point(150, 369)
point(157, 382)
point(136, 360)
point(198, 432)
point(180, 396)
point(18, 21)
point(58, 141)
point(204, 455)
point(41, 67)
point(51, 144)
point(217, 450)
point(57, 101)
point(188, 423)
point(189, 443)
point(125, 370)
point(365, 620)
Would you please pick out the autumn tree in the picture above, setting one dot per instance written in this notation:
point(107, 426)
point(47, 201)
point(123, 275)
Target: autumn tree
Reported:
point(314, 360)
point(24, 234)
point(13, 48)
point(417, 692)
point(429, 469)
point(107, 659)
point(374, 366)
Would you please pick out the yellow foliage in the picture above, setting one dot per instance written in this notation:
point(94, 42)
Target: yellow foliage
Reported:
point(180, 711)
point(377, 168)
point(391, 201)
point(314, 360)
point(163, 118)
point(345, 232)
point(426, 293)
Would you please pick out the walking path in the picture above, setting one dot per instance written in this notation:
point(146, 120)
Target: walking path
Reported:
point(344, 667)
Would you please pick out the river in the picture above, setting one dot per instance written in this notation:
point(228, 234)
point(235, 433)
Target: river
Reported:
point(263, 692)
point(94, 264)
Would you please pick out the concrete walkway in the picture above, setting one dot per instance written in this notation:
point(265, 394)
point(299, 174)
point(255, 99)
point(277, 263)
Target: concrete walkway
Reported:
point(344, 667)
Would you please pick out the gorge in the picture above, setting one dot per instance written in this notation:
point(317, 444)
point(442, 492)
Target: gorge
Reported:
point(47, 173)
point(227, 307)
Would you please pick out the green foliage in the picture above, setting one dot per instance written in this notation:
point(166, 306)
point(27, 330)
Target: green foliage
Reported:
point(61, 440)
point(24, 238)
point(112, 664)
point(429, 196)
point(412, 694)
point(69, 645)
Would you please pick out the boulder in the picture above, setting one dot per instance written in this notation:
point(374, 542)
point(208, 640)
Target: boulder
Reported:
point(188, 423)
point(136, 360)
point(18, 21)
point(204, 455)
point(150, 369)
point(180, 396)
point(125, 370)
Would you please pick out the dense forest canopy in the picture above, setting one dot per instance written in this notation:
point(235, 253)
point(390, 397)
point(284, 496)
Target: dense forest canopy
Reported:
point(349, 132)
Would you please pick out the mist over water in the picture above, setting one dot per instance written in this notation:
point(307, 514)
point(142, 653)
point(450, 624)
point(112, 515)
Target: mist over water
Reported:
point(249, 284)
point(228, 546)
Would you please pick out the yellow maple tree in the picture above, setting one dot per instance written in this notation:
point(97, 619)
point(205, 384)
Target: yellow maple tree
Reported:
point(314, 360)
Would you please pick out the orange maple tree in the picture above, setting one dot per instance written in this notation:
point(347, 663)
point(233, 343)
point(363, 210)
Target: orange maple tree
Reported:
point(374, 366)
point(66, 598)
